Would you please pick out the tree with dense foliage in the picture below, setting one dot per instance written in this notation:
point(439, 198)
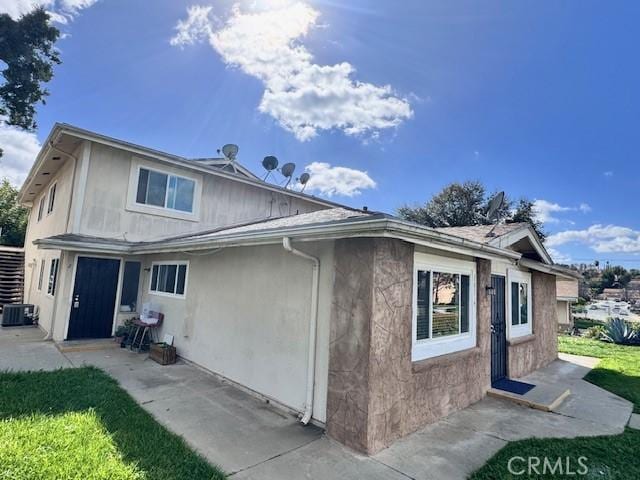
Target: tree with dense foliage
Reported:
point(13, 217)
point(465, 204)
point(28, 53)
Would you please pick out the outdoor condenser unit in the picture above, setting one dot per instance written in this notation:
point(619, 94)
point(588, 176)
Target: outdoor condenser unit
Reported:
point(17, 314)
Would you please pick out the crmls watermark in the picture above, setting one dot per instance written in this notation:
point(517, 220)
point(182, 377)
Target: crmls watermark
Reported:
point(548, 466)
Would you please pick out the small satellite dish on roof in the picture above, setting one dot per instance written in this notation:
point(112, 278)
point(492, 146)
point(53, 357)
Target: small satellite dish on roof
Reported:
point(304, 179)
point(230, 151)
point(493, 211)
point(270, 163)
point(287, 170)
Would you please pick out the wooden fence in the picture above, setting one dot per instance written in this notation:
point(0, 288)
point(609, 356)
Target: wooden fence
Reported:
point(11, 275)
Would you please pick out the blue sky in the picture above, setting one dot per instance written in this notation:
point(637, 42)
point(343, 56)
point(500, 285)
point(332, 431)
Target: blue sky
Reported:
point(536, 98)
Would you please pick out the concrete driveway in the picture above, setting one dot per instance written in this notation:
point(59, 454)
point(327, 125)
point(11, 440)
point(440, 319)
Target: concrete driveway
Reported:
point(251, 439)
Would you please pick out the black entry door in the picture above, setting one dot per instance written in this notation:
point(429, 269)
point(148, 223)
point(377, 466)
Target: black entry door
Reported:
point(498, 329)
point(94, 298)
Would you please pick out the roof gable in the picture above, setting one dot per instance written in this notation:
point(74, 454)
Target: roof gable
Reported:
point(519, 237)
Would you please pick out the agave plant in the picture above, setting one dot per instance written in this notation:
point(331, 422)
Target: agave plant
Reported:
point(621, 332)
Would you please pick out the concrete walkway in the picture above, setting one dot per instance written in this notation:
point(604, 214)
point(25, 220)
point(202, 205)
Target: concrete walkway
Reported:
point(254, 440)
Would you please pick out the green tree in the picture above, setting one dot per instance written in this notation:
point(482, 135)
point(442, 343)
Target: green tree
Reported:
point(27, 48)
point(524, 212)
point(465, 204)
point(13, 217)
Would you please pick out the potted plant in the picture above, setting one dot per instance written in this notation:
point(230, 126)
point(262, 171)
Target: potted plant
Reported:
point(123, 332)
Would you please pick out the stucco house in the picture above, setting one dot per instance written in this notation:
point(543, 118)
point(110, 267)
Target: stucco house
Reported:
point(360, 322)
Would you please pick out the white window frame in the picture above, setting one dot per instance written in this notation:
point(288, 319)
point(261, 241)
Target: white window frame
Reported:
point(177, 263)
point(41, 205)
point(43, 264)
point(133, 205)
point(52, 198)
point(52, 285)
point(515, 331)
point(434, 347)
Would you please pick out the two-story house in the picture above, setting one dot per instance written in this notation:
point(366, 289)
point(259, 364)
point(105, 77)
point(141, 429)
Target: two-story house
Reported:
point(359, 321)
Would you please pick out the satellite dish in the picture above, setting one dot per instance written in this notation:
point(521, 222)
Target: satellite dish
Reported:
point(304, 179)
point(495, 204)
point(287, 170)
point(493, 211)
point(230, 151)
point(270, 163)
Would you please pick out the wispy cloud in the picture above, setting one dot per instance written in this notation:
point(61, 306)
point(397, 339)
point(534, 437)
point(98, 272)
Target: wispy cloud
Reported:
point(559, 257)
point(61, 11)
point(302, 96)
point(328, 180)
point(19, 151)
point(608, 173)
point(545, 211)
point(600, 238)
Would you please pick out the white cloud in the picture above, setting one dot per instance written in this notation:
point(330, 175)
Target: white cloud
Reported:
point(302, 96)
point(600, 238)
point(329, 181)
point(61, 11)
point(608, 173)
point(559, 257)
point(545, 210)
point(19, 152)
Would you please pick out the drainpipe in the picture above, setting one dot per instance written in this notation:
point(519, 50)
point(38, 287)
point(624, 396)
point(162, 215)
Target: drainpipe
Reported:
point(313, 322)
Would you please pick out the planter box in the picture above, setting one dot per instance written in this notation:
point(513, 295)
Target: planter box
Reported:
point(162, 353)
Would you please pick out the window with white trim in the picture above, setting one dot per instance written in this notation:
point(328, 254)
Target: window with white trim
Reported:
point(53, 276)
point(52, 198)
point(443, 306)
point(519, 303)
point(43, 201)
point(165, 190)
point(41, 276)
point(169, 278)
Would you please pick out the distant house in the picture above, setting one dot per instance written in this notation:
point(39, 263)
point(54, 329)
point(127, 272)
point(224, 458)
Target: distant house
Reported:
point(567, 293)
point(360, 322)
point(613, 294)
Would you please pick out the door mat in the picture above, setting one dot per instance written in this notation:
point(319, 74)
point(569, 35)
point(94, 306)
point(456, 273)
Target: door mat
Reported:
point(513, 386)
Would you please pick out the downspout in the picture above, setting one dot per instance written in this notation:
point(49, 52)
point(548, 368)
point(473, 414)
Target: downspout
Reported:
point(313, 324)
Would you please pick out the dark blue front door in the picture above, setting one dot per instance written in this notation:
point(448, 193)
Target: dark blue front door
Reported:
point(94, 298)
point(498, 329)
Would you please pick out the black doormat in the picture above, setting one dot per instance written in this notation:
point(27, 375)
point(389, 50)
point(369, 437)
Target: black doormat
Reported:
point(512, 386)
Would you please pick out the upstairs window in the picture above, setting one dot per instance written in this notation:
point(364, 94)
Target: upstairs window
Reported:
point(43, 201)
point(444, 307)
point(52, 198)
point(169, 278)
point(165, 190)
point(520, 303)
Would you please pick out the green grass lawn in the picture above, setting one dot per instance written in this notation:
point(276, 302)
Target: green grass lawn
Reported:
point(608, 457)
point(79, 424)
point(618, 370)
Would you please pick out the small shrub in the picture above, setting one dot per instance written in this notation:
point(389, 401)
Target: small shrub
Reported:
point(620, 332)
point(596, 332)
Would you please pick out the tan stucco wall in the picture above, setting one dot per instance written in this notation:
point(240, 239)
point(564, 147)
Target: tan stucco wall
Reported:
point(51, 224)
point(246, 317)
point(541, 348)
point(223, 201)
point(563, 312)
point(376, 394)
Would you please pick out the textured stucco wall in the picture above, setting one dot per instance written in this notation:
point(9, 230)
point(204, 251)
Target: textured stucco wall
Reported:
point(376, 394)
point(535, 351)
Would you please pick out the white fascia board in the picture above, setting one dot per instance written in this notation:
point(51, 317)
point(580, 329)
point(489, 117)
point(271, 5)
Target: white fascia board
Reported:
point(367, 228)
point(551, 269)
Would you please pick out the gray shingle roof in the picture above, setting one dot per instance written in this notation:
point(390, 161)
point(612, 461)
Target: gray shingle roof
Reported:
point(478, 233)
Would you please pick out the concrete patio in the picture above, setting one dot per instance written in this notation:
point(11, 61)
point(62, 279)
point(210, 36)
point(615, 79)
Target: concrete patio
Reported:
point(251, 439)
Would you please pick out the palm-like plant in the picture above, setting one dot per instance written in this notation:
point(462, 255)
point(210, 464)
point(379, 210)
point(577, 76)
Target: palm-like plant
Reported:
point(619, 331)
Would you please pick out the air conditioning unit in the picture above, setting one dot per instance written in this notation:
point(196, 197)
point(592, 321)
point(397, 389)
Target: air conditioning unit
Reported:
point(17, 314)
